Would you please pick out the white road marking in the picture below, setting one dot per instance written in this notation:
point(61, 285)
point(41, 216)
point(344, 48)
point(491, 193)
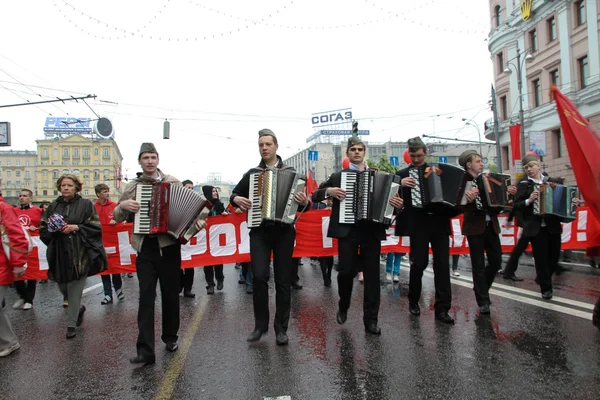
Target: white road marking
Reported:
point(89, 289)
point(278, 398)
point(547, 304)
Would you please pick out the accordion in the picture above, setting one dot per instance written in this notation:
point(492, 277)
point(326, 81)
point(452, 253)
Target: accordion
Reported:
point(272, 195)
point(556, 200)
point(437, 187)
point(368, 195)
point(493, 195)
point(167, 208)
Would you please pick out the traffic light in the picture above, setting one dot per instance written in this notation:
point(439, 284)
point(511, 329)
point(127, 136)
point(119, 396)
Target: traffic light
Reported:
point(354, 128)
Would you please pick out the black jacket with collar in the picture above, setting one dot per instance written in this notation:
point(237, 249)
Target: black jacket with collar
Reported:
point(531, 223)
point(243, 186)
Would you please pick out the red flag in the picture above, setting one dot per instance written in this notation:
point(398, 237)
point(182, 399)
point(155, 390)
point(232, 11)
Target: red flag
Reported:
point(311, 185)
point(515, 142)
point(583, 145)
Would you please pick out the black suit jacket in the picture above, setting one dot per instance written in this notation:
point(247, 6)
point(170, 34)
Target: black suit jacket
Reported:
point(337, 230)
point(531, 223)
point(411, 219)
point(474, 221)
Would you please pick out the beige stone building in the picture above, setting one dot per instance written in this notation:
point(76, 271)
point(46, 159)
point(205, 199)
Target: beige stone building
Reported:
point(533, 44)
point(17, 171)
point(93, 159)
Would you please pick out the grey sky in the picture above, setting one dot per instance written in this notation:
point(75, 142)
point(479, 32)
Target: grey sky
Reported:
point(410, 67)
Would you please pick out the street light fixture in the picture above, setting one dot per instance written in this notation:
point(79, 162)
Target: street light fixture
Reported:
point(519, 67)
point(472, 123)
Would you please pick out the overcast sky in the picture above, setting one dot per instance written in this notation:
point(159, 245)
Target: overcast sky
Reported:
point(241, 66)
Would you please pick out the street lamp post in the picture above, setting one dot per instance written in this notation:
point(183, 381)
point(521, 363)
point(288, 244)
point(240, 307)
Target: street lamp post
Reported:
point(470, 122)
point(519, 66)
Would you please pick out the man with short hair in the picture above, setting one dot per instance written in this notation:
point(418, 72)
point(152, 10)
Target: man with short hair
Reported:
point(158, 260)
point(481, 227)
point(270, 236)
point(105, 207)
point(425, 227)
point(364, 235)
point(30, 218)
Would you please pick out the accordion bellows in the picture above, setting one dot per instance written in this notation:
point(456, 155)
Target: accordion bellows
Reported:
point(556, 200)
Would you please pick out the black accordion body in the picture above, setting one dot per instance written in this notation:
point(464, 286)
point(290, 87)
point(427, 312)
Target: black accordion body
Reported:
point(493, 194)
point(272, 195)
point(437, 187)
point(368, 195)
point(556, 200)
point(166, 208)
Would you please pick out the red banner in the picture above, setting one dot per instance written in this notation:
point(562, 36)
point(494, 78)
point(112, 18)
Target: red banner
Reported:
point(515, 142)
point(228, 242)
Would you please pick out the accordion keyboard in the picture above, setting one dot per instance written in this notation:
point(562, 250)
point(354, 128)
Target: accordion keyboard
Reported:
point(254, 213)
point(415, 191)
point(348, 181)
point(141, 223)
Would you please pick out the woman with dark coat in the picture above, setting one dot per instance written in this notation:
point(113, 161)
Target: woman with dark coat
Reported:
point(218, 208)
point(71, 229)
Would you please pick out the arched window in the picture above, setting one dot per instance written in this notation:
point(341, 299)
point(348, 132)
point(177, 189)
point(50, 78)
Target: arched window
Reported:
point(497, 15)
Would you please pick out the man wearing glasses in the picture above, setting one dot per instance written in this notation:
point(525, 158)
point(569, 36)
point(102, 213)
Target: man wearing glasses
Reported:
point(366, 235)
point(424, 227)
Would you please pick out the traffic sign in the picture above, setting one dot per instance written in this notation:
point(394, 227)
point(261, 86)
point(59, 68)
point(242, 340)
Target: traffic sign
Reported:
point(443, 159)
point(313, 155)
point(395, 161)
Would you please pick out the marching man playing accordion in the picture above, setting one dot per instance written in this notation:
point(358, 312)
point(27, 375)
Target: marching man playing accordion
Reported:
point(425, 227)
point(544, 230)
point(364, 234)
point(481, 227)
point(158, 259)
point(274, 236)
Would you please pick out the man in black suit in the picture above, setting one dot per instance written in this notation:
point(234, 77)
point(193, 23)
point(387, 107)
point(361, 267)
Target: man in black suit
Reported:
point(366, 235)
point(425, 227)
point(544, 231)
point(269, 237)
point(481, 227)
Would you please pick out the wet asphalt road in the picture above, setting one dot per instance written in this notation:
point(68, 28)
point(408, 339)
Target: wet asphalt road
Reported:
point(528, 348)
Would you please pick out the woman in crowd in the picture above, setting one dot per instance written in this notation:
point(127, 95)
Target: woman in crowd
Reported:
point(71, 229)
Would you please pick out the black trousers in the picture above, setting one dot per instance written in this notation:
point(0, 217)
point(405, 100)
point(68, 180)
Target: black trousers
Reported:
point(513, 260)
point(295, 264)
point(211, 271)
point(350, 262)
point(26, 290)
point(186, 279)
point(278, 239)
point(152, 267)
point(419, 258)
point(484, 274)
point(326, 267)
point(546, 251)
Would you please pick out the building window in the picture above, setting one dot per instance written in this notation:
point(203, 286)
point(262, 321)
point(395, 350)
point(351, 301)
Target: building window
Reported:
point(505, 158)
point(56, 192)
point(45, 183)
point(554, 78)
point(86, 173)
point(8, 173)
point(106, 151)
point(8, 193)
point(551, 26)
point(17, 173)
point(8, 183)
point(86, 162)
point(26, 174)
point(27, 163)
point(44, 153)
point(537, 92)
point(66, 152)
point(75, 162)
point(75, 153)
point(55, 174)
point(557, 143)
point(55, 153)
point(96, 151)
point(86, 152)
point(96, 162)
point(76, 172)
point(18, 163)
point(106, 172)
point(8, 163)
point(96, 174)
point(86, 183)
point(584, 72)
point(503, 108)
point(18, 184)
point(86, 192)
point(580, 12)
point(44, 192)
point(497, 15)
point(533, 42)
point(499, 63)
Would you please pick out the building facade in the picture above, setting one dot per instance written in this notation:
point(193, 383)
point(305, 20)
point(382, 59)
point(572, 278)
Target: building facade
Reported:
point(548, 42)
point(17, 171)
point(93, 159)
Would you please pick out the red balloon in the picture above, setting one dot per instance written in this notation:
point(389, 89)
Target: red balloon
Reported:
point(345, 163)
point(531, 153)
point(406, 156)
